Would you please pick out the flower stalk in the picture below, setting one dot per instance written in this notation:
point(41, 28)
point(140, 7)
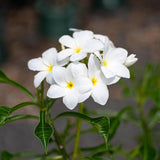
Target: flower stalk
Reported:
point(76, 146)
point(60, 145)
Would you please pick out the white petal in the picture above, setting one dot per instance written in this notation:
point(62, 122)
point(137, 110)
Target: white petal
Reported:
point(112, 80)
point(107, 72)
point(93, 65)
point(78, 56)
point(93, 45)
point(59, 75)
point(100, 94)
point(84, 96)
point(100, 37)
point(120, 70)
point(36, 64)
point(49, 56)
point(75, 29)
point(64, 54)
point(106, 45)
point(98, 54)
point(118, 55)
point(56, 91)
point(39, 77)
point(62, 62)
point(68, 74)
point(70, 100)
point(82, 37)
point(67, 41)
point(78, 69)
point(49, 78)
point(131, 59)
point(83, 84)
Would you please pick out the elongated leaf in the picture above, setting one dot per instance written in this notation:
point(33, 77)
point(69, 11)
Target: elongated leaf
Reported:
point(6, 111)
point(115, 123)
point(95, 158)
point(20, 105)
point(116, 120)
point(102, 124)
point(44, 131)
point(5, 79)
point(5, 155)
point(18, 117)
point(148, 152)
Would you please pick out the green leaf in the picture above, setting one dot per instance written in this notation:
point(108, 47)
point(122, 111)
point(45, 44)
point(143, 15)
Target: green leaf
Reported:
point(116, 120)
point(114, 124)
point(18, 117)
point(5, 79)
point(43, 130)
point(102, 124)
point(95, 158)
point(5, 155)
point(148, 152)
point(134, 153)
point(6, 111)
point(23, 104)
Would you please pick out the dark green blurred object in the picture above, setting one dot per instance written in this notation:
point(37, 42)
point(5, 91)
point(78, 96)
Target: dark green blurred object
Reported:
point(109, 4)
point(56, 17)
point(2, 56)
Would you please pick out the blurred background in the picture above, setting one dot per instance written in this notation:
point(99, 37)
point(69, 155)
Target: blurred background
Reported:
point(29, 27)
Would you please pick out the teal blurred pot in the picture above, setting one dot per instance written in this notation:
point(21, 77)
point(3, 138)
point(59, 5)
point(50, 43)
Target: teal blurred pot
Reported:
point(109, 4)
point(2, 55)
point(55, 20)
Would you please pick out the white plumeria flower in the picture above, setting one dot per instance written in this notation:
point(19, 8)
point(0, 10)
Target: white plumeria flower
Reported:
point(105, 40)
point(131, 59)
point(45, 65)
point(100, 37)
point(70, 88)
point(79, 45)
point(112, 63)
point(99, 91)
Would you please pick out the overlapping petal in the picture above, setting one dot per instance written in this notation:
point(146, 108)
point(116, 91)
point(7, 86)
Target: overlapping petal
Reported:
point(39, 77)
point(56, 91)
point(59, 75)
point(36, 64)
point(70, 100)
point(67, 41)
point(100, 94)
point(65, 53)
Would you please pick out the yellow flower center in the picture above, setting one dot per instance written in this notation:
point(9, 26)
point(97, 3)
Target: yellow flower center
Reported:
point(49, 69)
point(70, 85)
point(78, 49)
point(105, 63)
point(63, 47)
point(94, 81)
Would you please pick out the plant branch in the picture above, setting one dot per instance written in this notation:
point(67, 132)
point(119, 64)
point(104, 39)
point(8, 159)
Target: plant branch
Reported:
point(60, 145)
point(76, 146)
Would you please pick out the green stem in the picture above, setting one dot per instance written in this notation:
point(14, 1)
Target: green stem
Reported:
point(42, 95)
point(144, 125)
point(76, 146)
point(58, 140)
point(147, 138)
point(60, 145)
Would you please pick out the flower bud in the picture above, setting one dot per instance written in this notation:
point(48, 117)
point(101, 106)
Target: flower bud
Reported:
point(131, 59)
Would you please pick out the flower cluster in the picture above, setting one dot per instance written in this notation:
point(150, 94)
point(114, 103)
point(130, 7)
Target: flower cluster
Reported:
point(85, 66)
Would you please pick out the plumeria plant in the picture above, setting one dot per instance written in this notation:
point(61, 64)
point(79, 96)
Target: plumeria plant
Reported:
point(87, 64)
